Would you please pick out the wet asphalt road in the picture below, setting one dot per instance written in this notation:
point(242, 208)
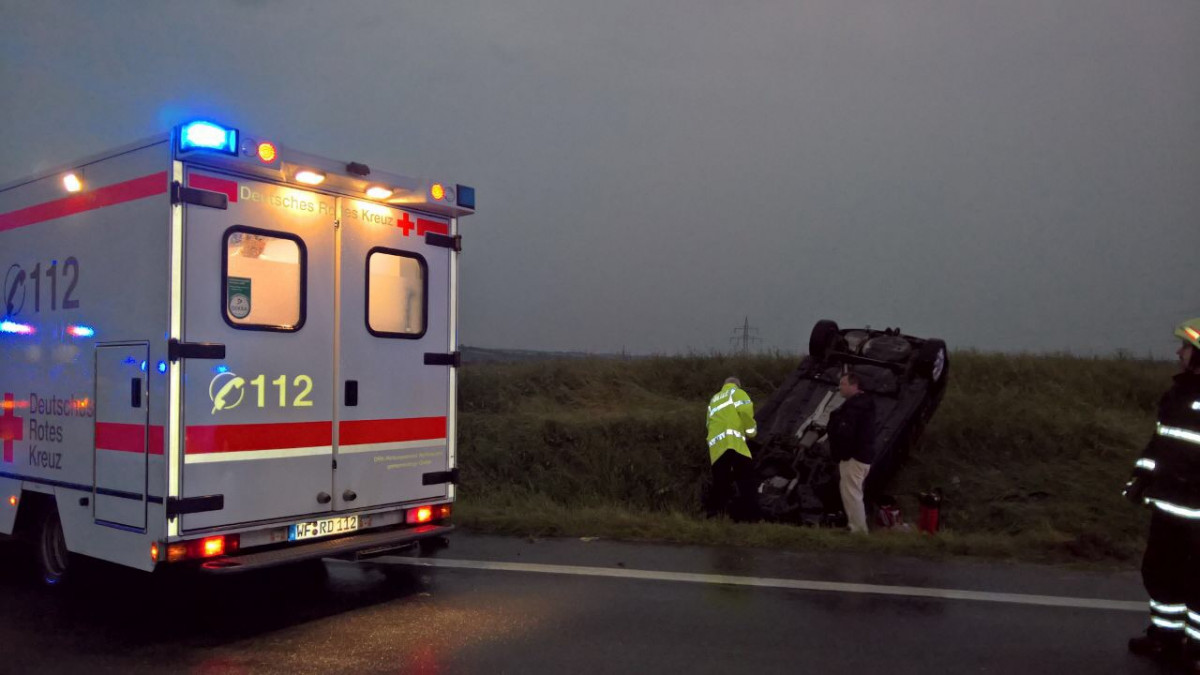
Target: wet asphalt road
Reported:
point(393, 617)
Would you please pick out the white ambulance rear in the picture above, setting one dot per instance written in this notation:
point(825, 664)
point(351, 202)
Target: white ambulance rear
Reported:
point(218, 351)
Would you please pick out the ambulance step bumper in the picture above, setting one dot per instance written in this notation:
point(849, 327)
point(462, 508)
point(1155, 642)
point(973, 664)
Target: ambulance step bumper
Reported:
point(366, 543)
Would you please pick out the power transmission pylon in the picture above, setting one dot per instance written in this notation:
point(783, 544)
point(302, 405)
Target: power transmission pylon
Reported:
point(745, 334)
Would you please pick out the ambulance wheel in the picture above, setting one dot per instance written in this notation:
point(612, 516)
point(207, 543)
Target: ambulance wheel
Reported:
point(821, 339)
point(50, 553)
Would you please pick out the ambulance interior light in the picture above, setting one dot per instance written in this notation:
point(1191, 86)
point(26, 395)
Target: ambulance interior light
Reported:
point(208, 136)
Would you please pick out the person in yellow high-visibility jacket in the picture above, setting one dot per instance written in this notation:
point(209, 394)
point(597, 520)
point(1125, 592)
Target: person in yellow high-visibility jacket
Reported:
point(730, 425)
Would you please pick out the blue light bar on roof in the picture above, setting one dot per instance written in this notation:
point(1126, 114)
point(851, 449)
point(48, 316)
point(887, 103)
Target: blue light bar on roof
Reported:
point(208, 136)
point(466, 196)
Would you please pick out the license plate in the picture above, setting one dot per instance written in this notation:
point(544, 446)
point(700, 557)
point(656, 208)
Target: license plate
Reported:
point(313, 529)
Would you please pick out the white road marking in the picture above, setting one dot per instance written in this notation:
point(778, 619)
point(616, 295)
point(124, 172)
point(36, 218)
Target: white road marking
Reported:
point(794, 584)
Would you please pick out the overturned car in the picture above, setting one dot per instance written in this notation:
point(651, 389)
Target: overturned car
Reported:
point(907, 377)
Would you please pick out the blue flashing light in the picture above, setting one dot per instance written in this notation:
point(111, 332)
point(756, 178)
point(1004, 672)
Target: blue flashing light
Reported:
point(130, 361)
point(466, 196)
point(221, 369)
point(162, 366)
point(143, 366)
point(14, 328)
point(208, 136)
point(80, 331)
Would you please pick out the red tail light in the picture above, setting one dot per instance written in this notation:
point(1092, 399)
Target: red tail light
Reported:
point(427, 514)
point(208, 547)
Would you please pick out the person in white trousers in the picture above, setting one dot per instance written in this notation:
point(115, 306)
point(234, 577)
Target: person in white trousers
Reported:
point(852, 440)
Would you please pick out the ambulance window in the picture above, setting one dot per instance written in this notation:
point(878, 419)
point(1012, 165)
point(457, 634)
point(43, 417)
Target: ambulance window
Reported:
point(397, 291)
point(264, 280)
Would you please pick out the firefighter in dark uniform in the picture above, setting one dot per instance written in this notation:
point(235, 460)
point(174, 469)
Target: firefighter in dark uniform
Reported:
point(1167, 478)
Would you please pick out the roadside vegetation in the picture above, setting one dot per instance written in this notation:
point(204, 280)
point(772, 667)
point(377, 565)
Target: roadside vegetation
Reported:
point(1030, 451)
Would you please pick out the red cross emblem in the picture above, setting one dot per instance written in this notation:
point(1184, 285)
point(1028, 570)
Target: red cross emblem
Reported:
point(405, 224)
point(11, 427)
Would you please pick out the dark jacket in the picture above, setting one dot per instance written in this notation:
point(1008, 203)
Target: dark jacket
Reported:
point(1169, 469)
point(852, 429)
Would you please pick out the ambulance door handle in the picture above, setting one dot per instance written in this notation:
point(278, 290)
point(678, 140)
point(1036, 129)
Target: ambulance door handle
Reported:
point(135, 392)
point(351, 397)
point(349, 495)
point(324, 498)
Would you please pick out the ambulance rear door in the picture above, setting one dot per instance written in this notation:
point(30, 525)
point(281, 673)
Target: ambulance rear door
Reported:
point(394, 389)
point(258, 424)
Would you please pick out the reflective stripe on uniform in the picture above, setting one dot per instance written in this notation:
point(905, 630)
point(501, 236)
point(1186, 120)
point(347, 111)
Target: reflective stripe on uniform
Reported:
point(730, 402)
point(1193, 633)
point(1194, 617)
point(1175, 509)
point(1145, 463)
point(752, 430)
point(1167, 624)
point(1181, 434)
point(1163, 608)
point(1195, 405)
point(728, 432)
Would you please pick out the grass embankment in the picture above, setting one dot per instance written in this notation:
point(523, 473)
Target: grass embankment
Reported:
point(1031, 452)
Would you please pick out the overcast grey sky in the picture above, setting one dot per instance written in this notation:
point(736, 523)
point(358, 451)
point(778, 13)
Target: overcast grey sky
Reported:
point(1009, 175)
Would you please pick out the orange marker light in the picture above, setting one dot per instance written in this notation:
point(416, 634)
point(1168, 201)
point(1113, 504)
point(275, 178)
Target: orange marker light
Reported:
point(12, 501)
point(438, 191)
point(154, 551)
point(267, 152)
point(176, 552)
point(72, 183)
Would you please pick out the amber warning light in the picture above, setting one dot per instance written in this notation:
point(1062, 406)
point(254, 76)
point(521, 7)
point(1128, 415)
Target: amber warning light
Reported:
point(267, 152)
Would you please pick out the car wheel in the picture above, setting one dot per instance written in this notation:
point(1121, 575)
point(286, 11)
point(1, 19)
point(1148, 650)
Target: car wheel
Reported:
point(50, 549)
point(821, 339)
point(932, 361)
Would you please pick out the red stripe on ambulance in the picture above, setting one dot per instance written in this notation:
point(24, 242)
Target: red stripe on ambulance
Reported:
point(361, 432)
point(206, 439)
point(229, 188)
point(128, 437)
point(110, 195)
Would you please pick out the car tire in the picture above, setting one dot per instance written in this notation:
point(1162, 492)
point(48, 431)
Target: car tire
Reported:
point(821, 339)
point(51, 558)
point(932, 361)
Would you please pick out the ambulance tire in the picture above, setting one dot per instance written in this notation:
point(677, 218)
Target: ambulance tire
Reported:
point(823, 334)
point(51, 558)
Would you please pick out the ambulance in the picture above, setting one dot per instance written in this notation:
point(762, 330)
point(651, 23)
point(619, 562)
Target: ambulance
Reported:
point(221, 353)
